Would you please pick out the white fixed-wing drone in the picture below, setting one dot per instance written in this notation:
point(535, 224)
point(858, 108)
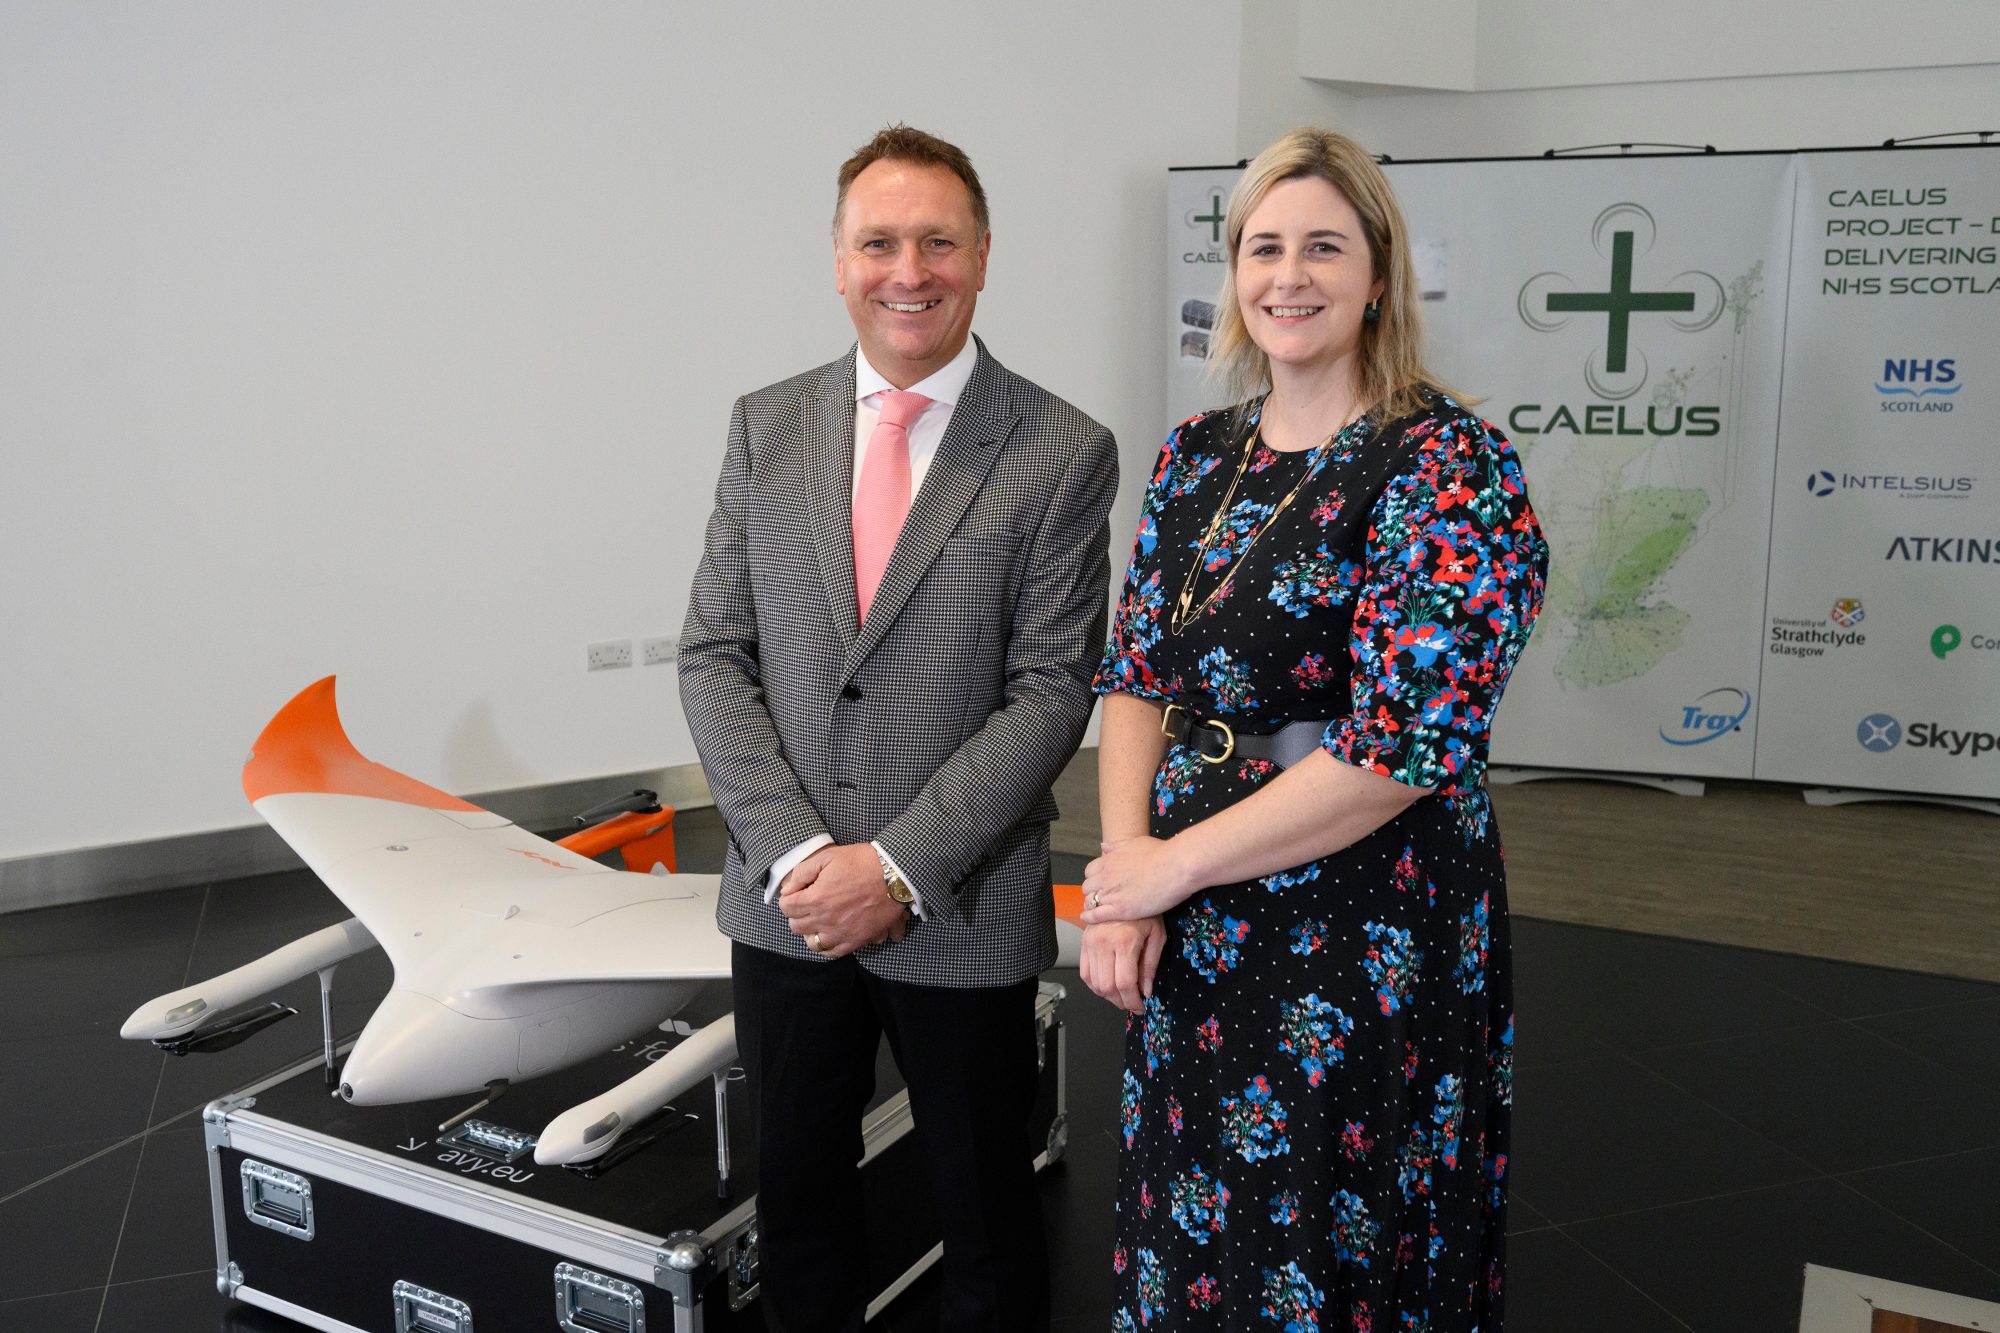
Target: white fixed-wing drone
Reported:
point(514, 956)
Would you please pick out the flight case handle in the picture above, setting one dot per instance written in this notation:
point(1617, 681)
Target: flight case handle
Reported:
point(280, 1200)
point(421, 1310)
point(588, 1302)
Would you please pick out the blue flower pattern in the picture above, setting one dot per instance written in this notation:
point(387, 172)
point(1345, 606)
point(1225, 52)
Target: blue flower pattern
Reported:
point(1363, 1095)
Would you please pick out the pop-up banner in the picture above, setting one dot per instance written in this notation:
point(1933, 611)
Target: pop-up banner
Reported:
point(1882, 647)
point(1629, 323)
point(1623, 322)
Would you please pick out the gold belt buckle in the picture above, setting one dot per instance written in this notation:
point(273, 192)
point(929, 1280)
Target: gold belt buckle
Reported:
point(1228, 742)
point(1167, 720)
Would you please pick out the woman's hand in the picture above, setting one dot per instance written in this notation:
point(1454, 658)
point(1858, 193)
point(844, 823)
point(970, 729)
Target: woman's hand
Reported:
point(1134, 879)
point(1120, 958)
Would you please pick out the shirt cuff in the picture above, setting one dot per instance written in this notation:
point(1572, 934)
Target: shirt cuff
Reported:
point(784, 865)
point(916, 899)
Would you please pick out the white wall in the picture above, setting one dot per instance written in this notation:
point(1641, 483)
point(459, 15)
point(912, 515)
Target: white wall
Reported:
point(398, 340)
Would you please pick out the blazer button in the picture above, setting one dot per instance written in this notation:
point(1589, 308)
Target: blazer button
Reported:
point(850, 691)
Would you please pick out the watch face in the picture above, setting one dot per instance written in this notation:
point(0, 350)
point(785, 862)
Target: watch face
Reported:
point(901, 891)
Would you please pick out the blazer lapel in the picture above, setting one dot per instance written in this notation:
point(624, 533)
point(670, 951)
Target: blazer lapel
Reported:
point(829, 473)
point(979, 425)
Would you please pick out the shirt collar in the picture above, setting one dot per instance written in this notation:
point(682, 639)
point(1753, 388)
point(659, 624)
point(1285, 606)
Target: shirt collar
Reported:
point(941, 386)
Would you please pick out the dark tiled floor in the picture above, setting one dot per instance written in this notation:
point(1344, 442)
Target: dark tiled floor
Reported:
point(1694, 1124)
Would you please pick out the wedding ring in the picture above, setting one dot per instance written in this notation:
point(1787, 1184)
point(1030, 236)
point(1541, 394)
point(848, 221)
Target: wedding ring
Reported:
point(1095, 900)
point(812, 942)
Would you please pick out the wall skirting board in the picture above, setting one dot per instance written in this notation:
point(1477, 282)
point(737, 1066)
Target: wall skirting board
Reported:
point(83, 874)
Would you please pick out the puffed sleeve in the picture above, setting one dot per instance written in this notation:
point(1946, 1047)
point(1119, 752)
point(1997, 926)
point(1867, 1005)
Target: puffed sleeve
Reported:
point(1136, 624)
point(1456, 567)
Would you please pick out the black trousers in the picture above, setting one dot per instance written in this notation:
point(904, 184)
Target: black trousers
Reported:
point(808, 1032)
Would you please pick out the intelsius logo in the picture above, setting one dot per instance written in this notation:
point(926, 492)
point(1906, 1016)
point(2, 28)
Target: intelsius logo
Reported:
point(1879, 733)
point(1716, 714)
point(1823, 483)
point(1918, 384)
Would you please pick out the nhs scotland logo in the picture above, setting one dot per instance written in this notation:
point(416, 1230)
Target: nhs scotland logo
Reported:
point(1918, 384)
point(1879, 733)
point(1939, 378)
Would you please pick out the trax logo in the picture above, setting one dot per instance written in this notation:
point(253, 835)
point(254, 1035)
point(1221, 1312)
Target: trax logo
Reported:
point(1880, 733)
point(1717, 713)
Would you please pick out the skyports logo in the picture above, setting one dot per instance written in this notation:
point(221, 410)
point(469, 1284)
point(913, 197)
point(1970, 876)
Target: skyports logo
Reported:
point(1880, 733)
point(1716, 714)
point(1918, 384)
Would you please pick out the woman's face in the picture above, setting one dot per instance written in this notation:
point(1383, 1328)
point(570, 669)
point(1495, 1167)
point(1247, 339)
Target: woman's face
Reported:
point(1304, 275)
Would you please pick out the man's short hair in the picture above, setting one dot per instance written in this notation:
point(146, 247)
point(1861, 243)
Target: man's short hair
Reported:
point(900, 143)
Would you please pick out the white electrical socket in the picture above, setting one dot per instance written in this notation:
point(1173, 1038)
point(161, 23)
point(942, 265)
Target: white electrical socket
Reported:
point(607, 654)
point(659, 651)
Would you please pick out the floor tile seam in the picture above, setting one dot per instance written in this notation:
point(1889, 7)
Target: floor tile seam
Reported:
point(1912, 1051)
point(162, 1277)
point(1606, 1265)
point(1910, 1161)
point(109, 1148)
point(1813, 1169)
point(1747, 968)
point(1688, 1203)
point(1932, 1008)
point(1829, 1021)
point(46, 1295)
point(1919, 1228)
point(124, 1219)
point(1741, 967)
point(1845, 1023)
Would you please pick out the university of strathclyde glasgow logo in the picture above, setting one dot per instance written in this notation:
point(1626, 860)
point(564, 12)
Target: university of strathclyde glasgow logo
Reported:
point(1879, 733)
point(1623, 233)
point(1822, 484)
point(1847, 613)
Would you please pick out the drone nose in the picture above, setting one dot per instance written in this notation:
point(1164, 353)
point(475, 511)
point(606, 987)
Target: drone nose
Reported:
point(415, 1049)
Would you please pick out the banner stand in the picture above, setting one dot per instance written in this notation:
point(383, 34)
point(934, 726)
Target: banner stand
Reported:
point(1507, 775)
point(1850, 796)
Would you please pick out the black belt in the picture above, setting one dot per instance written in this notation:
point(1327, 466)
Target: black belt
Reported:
point(1217, 742)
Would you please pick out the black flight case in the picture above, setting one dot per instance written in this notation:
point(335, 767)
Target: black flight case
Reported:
point(368, 1220)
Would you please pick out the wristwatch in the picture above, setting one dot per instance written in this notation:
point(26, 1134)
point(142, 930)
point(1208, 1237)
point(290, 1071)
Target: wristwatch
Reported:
point(894, 884)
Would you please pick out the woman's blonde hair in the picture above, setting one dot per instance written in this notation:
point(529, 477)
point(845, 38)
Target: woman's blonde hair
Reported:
point(1390, 359)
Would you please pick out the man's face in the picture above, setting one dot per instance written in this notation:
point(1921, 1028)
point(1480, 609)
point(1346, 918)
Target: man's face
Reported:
point(911, 264)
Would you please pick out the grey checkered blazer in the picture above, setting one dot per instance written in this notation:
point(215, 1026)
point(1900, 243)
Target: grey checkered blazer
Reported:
point(938, 727)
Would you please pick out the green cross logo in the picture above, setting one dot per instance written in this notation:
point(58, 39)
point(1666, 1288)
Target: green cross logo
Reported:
point(1213, 218)
point(1622, 233)
point(1620, 303)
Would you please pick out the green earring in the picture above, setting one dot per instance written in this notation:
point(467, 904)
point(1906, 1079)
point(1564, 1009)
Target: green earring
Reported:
point(1372, 315)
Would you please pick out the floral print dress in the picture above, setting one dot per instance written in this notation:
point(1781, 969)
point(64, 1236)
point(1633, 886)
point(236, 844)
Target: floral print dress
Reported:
point(1316, 1099)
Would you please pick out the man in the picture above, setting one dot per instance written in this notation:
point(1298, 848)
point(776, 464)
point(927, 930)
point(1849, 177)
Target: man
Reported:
point(886, 662)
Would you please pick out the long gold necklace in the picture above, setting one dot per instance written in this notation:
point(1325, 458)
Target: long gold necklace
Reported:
point(1184, 613)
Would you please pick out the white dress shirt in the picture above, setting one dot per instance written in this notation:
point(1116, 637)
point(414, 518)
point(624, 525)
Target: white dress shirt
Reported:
point(943, 388)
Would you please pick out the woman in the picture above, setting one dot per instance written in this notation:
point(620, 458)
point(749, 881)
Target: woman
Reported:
point(1330, 584)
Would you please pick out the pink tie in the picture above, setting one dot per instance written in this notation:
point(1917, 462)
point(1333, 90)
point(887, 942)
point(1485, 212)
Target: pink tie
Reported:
point(882, 500)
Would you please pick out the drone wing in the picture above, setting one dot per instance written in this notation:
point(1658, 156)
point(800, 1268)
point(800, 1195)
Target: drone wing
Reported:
point(444, 884)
